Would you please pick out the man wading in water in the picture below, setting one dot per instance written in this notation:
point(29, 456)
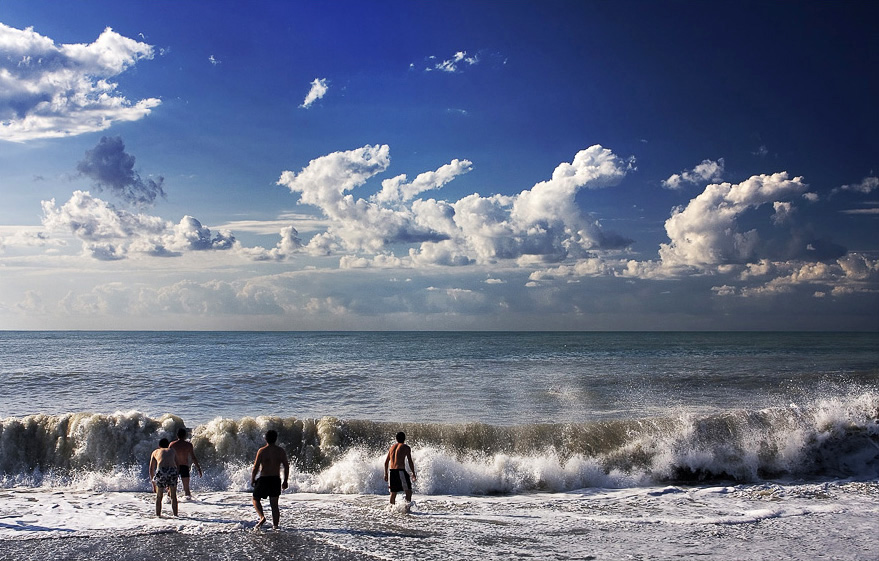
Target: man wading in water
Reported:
point(269, 460)
point(185, 458)
point(395, 469)
point(163, 474)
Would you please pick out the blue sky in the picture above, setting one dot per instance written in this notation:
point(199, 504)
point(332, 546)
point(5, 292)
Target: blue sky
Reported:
point(439, 165)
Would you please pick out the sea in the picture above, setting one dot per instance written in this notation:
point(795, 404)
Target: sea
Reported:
point(548, 445)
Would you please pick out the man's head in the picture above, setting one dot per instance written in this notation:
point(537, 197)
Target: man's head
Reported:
point(182, 433)
point(401, 437)
point(272, 436)
point(163, 443)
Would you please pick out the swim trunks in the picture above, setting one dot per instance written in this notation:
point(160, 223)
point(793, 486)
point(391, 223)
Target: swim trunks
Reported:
point(165, 477)
point(267, 486)
point(398, 480)
point(184, 470)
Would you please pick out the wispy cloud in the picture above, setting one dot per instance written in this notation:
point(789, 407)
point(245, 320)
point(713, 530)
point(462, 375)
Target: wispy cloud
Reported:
point(455, 64)
point(318, 89)
point(707, 171)
point(866, 186)
point(51, 91)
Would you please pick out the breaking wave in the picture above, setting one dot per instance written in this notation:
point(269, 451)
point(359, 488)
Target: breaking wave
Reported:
point(829, 438)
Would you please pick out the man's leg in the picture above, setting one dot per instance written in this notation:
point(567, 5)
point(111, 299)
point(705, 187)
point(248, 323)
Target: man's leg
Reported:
point(393, 496)
point(276, 512)
point(257, 504)
point(408, 495)
point(185, 481)
point(160, 494)
point(173, 493)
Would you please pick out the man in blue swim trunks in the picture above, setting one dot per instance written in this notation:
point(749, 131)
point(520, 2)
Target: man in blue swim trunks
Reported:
point(269, 460)
point(395, 469)
point(163, 475)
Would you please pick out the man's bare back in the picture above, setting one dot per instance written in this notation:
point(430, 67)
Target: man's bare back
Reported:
point(184, 451)
point(397, 456)
point(165, 457)
point(269, 460)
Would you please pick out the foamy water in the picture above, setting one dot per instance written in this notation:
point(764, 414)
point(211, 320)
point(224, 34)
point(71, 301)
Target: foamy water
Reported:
point(775, 521)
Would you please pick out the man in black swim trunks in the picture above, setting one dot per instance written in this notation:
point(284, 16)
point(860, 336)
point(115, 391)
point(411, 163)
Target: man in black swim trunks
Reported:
point(269, 460)
point(185, 458)
point(395, 469)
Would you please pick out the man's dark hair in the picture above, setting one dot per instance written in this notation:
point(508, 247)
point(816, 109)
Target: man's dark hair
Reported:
point(272, 436)
point(163, 443)
point(401, 436)
point(181, 433)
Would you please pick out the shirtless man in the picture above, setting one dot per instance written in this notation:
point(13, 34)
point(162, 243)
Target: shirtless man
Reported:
point(163, 475)
point(269, 460)
point(395, 469)
point(185, 458)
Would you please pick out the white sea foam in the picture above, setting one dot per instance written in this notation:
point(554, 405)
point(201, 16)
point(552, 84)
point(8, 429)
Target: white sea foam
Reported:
point(776, 521)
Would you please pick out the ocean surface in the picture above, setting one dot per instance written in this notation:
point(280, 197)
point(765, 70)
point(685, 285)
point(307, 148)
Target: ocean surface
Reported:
point(541, 445)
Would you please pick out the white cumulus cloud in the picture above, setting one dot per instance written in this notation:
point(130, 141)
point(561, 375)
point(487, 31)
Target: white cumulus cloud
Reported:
point(50, 91)
point(109, 233)
point(705, 232)
point(542, 223)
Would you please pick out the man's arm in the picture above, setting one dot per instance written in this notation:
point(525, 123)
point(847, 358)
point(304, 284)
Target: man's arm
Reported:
point(286, 465)
point(387, 462)
point(411, 464)
point(194, 459)
point(255, 469)
point(153, 469)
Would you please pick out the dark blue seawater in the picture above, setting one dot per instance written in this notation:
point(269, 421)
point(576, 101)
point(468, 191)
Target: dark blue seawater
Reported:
point(438, 377)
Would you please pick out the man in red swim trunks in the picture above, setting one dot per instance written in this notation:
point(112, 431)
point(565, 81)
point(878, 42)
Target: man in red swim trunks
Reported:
point(395, 469)
point(269, 460)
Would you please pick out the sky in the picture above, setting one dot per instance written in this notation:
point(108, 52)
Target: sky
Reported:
point(546, 165)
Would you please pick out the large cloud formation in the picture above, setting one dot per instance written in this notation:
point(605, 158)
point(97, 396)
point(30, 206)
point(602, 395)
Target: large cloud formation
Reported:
point(707, 238)
point(113, 169)
point(704, 233)
point(543, 223)
point(50, 91)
